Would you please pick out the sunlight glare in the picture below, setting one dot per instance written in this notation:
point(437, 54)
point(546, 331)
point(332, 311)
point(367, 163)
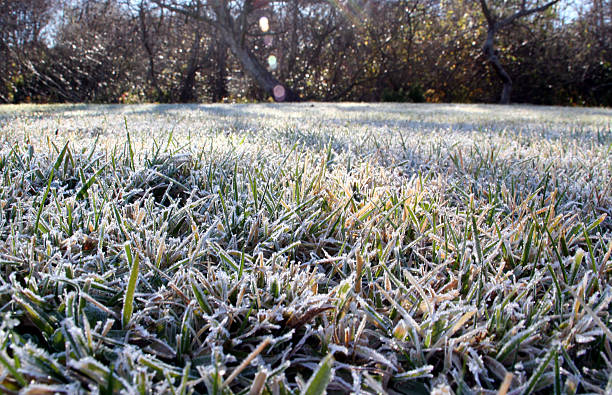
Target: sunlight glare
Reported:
point(279, 93)
point(272, 62)
point(264, 24)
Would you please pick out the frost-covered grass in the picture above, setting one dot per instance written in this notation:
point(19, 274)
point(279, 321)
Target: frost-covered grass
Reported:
point(283, 249)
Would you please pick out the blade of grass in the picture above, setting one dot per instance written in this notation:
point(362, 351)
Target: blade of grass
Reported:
point(82, 193)
point(320, 378)
point(535, 377)
point(247, 361)
point(128, 299)
point(46, 193)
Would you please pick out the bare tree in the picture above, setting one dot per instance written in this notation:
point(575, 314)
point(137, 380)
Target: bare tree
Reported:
point(218, 78)
point(231, 20)
point(21, 26)
point(187, 94)
point(147, 43)
point(495, 23)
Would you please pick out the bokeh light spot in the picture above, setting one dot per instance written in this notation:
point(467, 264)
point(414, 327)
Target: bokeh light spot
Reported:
point(264, 24)
point(279, 93)
point(272, 62)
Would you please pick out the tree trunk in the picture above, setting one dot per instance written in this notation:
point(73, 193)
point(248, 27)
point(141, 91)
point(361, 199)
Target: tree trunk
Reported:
point(260, 74)
point(232, 30)
point(218, 80)
point(489, 51)
point(293, 43)
point(152, 74)
point(186, 93)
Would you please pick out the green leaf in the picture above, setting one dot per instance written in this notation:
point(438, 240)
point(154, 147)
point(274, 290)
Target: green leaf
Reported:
point(129, 143)
point(527, 247)
point(225, 257)
point(5, 361)
point(128, 300)
point(46, 193)
point(535, 378)
point(320, 379)
point(200, 297)
point(82, 193)
point(41, 320)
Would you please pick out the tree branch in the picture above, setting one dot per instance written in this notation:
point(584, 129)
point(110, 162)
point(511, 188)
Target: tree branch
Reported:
point(487, 12)
point(246, 9)
point(524, 12)
point(185, 11)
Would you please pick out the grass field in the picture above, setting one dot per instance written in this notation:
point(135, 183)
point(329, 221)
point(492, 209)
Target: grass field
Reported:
point(292, 248)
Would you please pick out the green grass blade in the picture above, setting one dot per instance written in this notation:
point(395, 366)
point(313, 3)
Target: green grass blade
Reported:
point(56, 166)
point(200, 297)
point(320, 378)
point(4, 360)
point(82, 193)
point(128, 300)
point(535, 378)
point(527, 248)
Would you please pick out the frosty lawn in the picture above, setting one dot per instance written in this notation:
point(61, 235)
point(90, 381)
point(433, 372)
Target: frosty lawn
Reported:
point(290, 248)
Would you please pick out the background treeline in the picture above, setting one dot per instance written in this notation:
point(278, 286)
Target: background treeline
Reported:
point(201, 51)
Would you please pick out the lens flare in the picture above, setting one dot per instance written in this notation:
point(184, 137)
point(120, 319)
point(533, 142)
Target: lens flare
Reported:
point(279, 93)
point(272, 62)
point(264, 24)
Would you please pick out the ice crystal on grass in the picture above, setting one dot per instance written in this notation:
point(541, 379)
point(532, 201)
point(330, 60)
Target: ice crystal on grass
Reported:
point(287, 249)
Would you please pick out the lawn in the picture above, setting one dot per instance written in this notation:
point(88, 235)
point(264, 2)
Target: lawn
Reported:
point(367, 248)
